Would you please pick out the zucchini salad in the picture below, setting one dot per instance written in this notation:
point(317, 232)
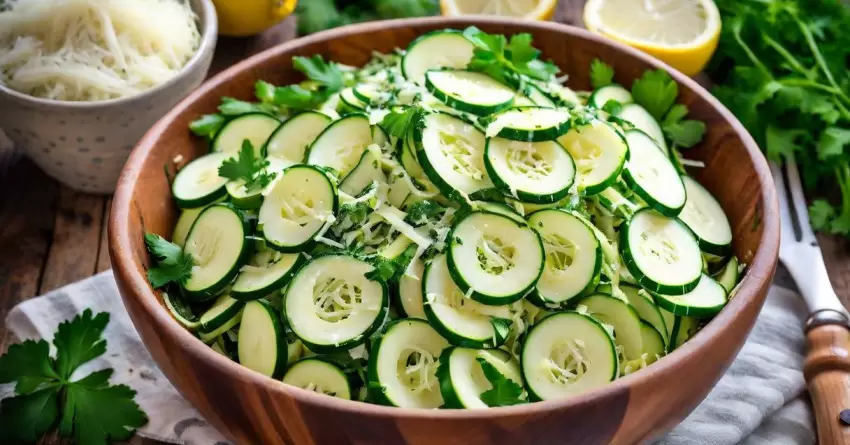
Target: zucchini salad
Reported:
point(449, 226)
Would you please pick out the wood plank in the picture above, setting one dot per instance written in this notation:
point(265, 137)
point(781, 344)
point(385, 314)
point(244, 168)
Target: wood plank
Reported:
point(27, 204)
point(103, 249)
point(76, 237)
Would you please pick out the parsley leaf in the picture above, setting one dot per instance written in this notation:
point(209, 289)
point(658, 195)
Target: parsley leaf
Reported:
point(684, 133)
point(505, 392)
point(264, 91)
point(245, 167)
point(325, 79)
point(327, 74)
point(832, 142)
point(421, 211)
point(601, 74)
point(656, 91)
point(612, 107)
point(173, 265)
point(399, 121)
point(390, 269)
point(781, 142)
point(93, 412)
point(821, 213)
point(234, 107)
point(503, 61)
point(207, 125)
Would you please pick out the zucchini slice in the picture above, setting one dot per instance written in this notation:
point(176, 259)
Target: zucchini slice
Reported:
point(218, 247)
point(437, 49)
point(728, 276)
point(461, 320)
point(536, 172)
point(341, 144)
point(290, 140)
point(599, 153)
point(704, 216)
point(706, 300)
point(622, 316)
point(537, 96)
point(181, 311)
point(661, 253)
point(266, 272)
point(615, 92)
point(198, 183)
point(319, 375)
point(254, 127)
point(529, 124)
point(683, 329)
point(222, 311)
point(469, 91)
point(645, 307)
point(331, 304)
point(367, 171)
point(297, 208)
point(409, 291)
point(652, 341)
point(565, 354)
point(573, 258)
point(403, 365)
point(349, 103)
point(184, 224)
point(494, 259)
point(651, 175)
point(462, 380)
point(261, 343)
point(643, 121)
point(451, 153)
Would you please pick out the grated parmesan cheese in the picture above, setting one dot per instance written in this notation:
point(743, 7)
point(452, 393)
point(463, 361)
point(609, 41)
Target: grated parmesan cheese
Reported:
point(90, 50)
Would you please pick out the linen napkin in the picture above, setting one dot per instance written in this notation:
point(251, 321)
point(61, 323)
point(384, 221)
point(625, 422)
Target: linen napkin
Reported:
point(759, 401)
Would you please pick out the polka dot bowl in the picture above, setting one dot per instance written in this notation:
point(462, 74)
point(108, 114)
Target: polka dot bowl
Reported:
point(84, 145)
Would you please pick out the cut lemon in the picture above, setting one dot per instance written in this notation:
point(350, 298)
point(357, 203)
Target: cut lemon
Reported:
point(527, 9)
point(682, 33)
point(241, 18)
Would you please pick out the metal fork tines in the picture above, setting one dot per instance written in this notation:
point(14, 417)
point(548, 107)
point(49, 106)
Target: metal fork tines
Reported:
point(798, 248)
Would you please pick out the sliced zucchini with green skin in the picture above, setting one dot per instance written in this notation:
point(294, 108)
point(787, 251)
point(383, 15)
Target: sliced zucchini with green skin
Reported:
point(529, 124)
point(408, 160)
point(501, 209)
point(622, 316)
point(537, 96)
point(706, 300)
point(341, 144)
point(599, 153)
point(218, 247)
point(652, 341)
point(652, 177)
point(495, 257)
point(564, 96)
point(566, 354)
point(349, 103)
point(301, 202)
point(683, 329)
point(367, 171)
point(645, 307)
point(573, 258)
point(469, 91)
point(371, 94)
point(224, 309)
point(536, 172)
point(261, 345)
point(451, 153)
point(669, 321)
point(728, 276)
point(319, 375)
point(246, 199)
point(661, 253)
point(181, 311)
point(437, 49)
point(380, 136)
point(409, 291)
point(290, 140)
point(462, 379)
point(704, 216)
point(403, 365)
point(461, 320)
point(644, 122)
point(255, 127)
point(267, 271)
point(198, 183)
point(614, 92)
point(331, 304)
point(212, 336)
point(184, 224)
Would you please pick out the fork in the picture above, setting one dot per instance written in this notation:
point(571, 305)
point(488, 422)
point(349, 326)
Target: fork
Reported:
point(827, 365)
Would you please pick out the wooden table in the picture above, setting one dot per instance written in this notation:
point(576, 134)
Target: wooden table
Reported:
point(51, 236)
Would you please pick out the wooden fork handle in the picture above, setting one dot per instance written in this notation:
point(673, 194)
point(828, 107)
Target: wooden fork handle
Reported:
point(827, 371)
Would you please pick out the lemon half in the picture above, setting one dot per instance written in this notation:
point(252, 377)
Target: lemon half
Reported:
point(682, 33)
point(527, 9)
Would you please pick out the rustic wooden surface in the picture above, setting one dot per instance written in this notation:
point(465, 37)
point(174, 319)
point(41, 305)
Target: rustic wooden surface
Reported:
point(51, 236)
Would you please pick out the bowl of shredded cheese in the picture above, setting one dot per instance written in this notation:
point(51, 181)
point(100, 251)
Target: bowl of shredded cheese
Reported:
point(82, 80)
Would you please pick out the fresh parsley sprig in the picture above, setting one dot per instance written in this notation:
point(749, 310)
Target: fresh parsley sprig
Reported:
point(88, 410)
point(173, 265)
point(245, 167)
point(505, 392)
point(503, 60)
point(400, 120)
point(326, 78)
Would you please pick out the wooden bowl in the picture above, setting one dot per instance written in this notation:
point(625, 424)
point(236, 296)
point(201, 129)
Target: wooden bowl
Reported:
point(254, 409)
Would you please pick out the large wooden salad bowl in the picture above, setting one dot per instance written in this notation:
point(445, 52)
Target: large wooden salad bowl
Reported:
point(254, 409)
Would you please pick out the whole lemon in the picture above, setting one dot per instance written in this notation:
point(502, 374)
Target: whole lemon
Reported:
point(241, 18)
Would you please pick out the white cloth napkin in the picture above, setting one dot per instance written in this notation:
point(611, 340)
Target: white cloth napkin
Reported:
point(759, 401)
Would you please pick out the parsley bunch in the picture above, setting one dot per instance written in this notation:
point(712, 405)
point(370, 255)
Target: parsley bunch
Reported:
point(89, 410)
point(246, 168)
point(781, 67)
point(172, 264)
point(319, 15)
point(504, 60)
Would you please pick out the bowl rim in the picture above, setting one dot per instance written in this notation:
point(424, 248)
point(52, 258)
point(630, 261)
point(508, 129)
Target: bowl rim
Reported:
point(121, 244)
point(208, 21)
